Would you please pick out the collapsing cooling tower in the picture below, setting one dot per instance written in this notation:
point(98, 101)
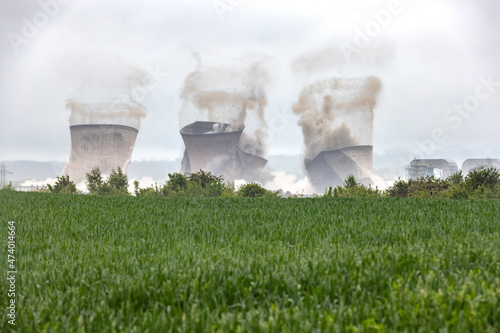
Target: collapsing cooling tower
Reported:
point(105, 146)
point(105, 117)
point(213, 147)
point(336, 117)
point(331, 168)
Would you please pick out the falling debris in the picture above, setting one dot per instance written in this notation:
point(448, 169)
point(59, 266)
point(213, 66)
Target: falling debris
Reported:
point(336, 117)
point(222, 121)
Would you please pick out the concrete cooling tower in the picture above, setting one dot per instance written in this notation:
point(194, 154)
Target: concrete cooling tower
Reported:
point(105, 115)
point(213, 147)
point(476, 163)
point(440, 168)
point(105, 146)
point(331, 168)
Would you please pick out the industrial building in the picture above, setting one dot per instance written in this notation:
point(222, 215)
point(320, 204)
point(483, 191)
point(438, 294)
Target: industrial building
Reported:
point(439, 168)
point(213, 147)
point(476, 163)
point(105, 146)
point(331, 168)
point(105, 117)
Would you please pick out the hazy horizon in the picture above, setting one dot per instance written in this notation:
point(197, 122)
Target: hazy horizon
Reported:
point(436, 60)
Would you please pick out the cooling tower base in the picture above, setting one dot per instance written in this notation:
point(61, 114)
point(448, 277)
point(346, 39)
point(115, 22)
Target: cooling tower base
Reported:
point(213, 147)
point(331, 168)
point(105, 146)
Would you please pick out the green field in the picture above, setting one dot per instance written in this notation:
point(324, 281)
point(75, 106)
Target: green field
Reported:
point(125, 264)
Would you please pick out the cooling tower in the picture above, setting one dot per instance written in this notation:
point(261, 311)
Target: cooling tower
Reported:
point(331, 168)
point(442, 168)
point(476, 163)
point(211, 146)
point(103, 146)
point(249, 166)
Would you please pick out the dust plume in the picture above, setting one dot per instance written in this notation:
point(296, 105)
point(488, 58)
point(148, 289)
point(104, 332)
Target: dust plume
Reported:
point(107, 94)
point(379, 51)
point(231, 96)
point(337, 113)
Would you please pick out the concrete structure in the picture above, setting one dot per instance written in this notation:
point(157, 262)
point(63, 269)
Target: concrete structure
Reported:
point(440, 168)
point(476, 163)
point(213, 147)
point(248, 166)
point(331, 168)
point(105, 146)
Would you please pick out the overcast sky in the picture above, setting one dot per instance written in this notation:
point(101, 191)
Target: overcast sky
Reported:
point(429, 55)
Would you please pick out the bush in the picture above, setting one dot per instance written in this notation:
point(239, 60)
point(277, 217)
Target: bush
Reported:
point(399, 189)
point(94, 180)
point(116, 184)
point(456, 178)
point(352, 189)
point(483, 177)
point(63, 185)
point(177, 182)
point(8, 187)
point(254, 190)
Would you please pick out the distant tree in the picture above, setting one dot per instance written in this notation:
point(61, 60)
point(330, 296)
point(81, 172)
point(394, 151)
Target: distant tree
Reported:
point(8, 187)
point(486, 177)
point(136, 188)
point(456, 178)
point(399, 189)
point(350, 182)
point(118, 181)
point(94, 180)
point(116, 184)
point(177, 182)
point(352, 189)
point(63, 185)
point(204, 178)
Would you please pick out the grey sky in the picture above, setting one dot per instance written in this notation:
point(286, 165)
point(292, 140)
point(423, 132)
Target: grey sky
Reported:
point(430, 56)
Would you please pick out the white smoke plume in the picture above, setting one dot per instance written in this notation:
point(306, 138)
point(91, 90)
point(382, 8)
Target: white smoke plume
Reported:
point(337, 113)
point(232, 96)
point(379, 51)
point(107, 93)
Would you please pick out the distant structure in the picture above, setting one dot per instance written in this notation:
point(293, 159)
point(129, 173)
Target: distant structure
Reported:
point(476, 163)
point(3, 172)
point(439, 168)
point(331, 168)
point(105, 116)
point(104, 146)
point(213, 147)
point(31, 188)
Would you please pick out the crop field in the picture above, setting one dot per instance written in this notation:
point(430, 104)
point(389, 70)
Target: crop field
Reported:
point(125, 264)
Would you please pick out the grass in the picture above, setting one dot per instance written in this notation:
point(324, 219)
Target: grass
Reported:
point(124, 264)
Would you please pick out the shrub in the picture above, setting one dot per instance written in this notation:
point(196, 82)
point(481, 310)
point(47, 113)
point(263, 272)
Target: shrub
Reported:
point(486, 177)
point(8, 187)
point(94, 180)
point(63, 185)
point(254, 190)
point(116, 184)
point(177, 182)
point(399, 189)
point(352, 189)
point(456, 178)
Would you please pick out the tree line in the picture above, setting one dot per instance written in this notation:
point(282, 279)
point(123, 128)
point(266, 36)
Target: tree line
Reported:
point(196, 184)
point(481, 183)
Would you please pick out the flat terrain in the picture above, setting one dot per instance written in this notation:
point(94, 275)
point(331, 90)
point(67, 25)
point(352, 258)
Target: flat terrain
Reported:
point(156, 265)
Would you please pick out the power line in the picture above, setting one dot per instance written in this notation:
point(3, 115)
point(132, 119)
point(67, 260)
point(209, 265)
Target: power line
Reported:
point(3, 172)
